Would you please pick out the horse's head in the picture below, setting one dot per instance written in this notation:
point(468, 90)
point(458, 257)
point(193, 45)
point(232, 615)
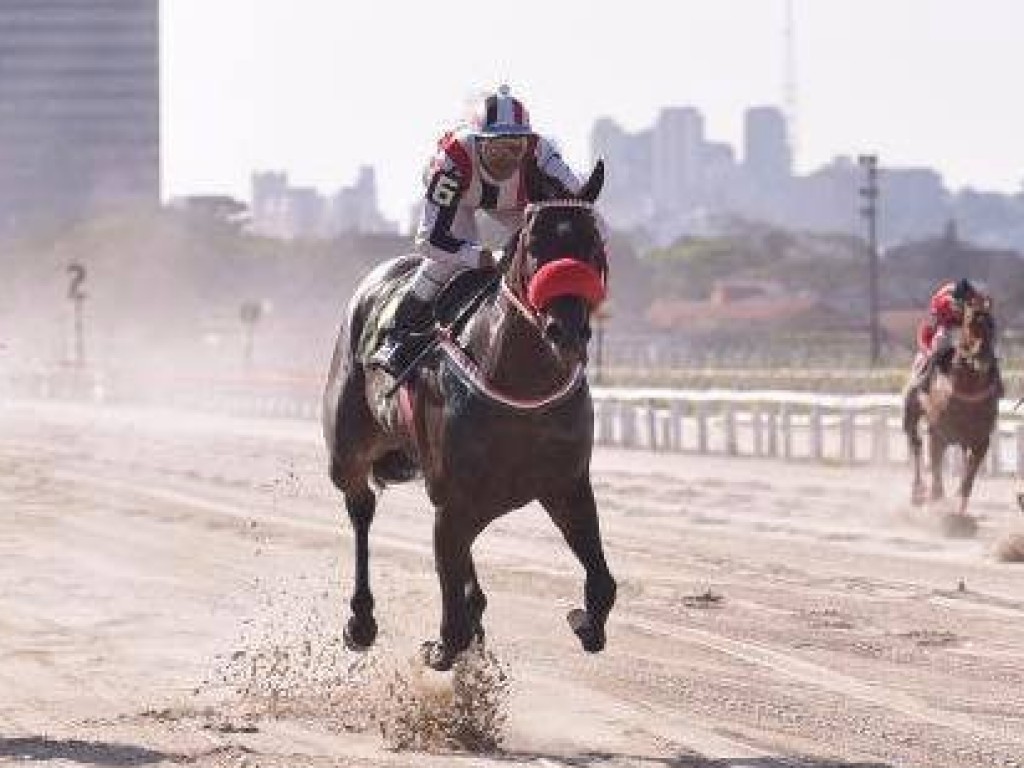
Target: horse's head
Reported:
point(975, 350)
point(560, 268)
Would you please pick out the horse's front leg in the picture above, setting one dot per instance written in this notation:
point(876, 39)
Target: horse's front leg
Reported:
point(575, 514)
point(936, 454)
point(455, 572)
point(911, 418)
point(972, 463)
point(361, 630)
point(476, 601)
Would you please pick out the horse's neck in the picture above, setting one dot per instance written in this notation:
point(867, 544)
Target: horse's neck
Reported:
point(510, 352)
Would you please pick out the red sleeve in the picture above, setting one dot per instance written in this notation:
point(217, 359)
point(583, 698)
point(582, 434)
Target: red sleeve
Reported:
point(943, 306)
point(457, 155)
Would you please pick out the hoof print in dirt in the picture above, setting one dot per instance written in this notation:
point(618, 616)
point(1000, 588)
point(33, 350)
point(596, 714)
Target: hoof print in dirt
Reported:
point(958, 526)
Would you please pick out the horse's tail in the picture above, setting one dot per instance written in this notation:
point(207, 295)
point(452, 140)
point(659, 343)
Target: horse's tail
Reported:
point(394, 467)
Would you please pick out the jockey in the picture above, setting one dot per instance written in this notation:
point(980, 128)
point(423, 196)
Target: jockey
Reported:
point(936, 334)
point(481, 166)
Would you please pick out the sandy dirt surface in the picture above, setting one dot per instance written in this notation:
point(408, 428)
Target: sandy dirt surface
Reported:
point(769, 614)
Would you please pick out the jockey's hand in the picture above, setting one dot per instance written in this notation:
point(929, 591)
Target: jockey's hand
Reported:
point(491, 257)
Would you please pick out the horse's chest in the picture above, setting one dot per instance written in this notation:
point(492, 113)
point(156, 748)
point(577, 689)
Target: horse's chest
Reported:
point(508, 458)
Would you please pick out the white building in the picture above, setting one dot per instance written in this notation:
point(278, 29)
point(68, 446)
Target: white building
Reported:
point(287, 212)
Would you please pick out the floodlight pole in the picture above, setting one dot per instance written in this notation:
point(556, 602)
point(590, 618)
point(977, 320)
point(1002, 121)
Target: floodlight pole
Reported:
point(870, 212)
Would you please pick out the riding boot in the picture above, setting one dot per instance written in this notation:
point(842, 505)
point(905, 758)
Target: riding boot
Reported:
point(1000, 387)
point(407, 337)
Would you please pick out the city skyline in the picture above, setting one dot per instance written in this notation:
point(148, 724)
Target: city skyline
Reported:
point(318, 89)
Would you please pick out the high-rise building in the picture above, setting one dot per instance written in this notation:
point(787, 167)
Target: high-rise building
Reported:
point(79, 108)
point(676, 154)
point(767, 155)
point(627, 190)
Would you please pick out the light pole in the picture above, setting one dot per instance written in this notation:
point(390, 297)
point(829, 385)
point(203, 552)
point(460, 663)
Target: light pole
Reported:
point(869, 211)
point(250, 313)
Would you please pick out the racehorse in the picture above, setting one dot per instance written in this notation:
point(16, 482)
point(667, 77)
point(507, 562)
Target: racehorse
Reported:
point(499, 415)
point(961, 407)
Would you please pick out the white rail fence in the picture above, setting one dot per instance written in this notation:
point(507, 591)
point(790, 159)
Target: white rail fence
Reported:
point(792, 426)
point(795, 426)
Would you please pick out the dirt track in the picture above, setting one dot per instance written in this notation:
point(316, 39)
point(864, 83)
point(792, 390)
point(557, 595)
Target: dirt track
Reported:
point(139, 550)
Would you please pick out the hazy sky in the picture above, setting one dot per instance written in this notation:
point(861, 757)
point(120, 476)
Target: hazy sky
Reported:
point(319, 87)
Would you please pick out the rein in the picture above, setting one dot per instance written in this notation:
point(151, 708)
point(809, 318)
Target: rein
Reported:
point(471, 374)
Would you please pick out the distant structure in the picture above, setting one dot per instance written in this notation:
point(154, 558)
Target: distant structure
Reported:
point(287, 212)
point(676, 162)
point(79, 109)
point(767, 156)
point(670, 180)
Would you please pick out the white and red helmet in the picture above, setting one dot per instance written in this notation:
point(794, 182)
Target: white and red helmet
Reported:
point(501, 114)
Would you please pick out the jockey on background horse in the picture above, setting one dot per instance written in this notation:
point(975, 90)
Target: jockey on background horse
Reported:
point(482, 166)
point(936, 334)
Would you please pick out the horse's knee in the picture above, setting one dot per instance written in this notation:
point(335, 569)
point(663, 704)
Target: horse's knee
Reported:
point(360, 507)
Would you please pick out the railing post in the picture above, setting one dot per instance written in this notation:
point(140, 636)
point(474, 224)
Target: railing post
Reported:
point(652, 427)
point(599, 433)
point(773, 438)
point(815, 433)
point(629, 437)
point(880, 437)
point(731, 447)
point(847, 436)
point(755, 424)
point(787, 431)
point(702, 427)
point(1019, 435)
point(676, 427)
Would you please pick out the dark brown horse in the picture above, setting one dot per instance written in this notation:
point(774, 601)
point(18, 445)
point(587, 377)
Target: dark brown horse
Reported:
point(961, 407)
point(500, 415)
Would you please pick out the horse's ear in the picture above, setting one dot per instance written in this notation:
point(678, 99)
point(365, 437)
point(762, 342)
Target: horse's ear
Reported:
point(592, 188)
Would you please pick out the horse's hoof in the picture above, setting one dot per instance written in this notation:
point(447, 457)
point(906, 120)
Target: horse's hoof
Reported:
point(360, 633)
point(436, 657)
point(591, 636)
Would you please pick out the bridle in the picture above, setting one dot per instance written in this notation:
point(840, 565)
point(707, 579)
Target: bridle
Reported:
point(514, 284)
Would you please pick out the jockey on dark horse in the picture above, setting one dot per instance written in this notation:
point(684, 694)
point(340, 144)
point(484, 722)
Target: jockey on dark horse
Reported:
point(483, 166)
point(935, 335)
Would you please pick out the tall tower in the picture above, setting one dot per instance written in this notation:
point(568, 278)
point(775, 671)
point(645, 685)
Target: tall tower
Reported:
point(79, 108)
point(789, 84)
point(676, 157)
point(766, 146)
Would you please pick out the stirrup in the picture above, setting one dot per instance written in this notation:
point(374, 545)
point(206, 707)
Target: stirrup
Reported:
point(387, 356)
point(395, 355)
